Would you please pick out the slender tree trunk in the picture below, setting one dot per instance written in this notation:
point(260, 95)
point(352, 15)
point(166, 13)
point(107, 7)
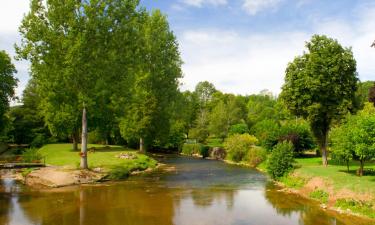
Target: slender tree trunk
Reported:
point(84, 141)
point(361, 168)
point(324, 149)
point(141, 145)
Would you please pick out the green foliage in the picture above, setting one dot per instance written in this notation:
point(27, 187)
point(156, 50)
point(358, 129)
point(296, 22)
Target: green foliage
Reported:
point(239, 128)
point(360, 207)
point(292, 181)
point(38, 141)
point(255, 156)
point(204, 151)
point(319, 195)
point(356, 138)
point(31, 155)
point(280, 161)
point(238, 146)
point(267, 133)
point(298, 133)
point(191, 149)
point(312, 90)
point(8, 84)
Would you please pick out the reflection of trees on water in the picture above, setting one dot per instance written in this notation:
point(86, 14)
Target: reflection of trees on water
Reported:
point(101, 205)
point(206, 197)
point(309, 213)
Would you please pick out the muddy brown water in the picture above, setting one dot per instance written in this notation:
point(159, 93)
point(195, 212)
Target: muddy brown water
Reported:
point(198, 192)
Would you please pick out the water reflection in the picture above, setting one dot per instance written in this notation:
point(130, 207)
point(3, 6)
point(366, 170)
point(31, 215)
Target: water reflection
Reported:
point(199, 192)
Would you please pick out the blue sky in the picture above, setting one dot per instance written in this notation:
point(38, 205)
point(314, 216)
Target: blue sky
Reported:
point(242, 46)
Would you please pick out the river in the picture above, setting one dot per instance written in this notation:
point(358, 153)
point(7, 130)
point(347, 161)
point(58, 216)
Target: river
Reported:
point(197, 192)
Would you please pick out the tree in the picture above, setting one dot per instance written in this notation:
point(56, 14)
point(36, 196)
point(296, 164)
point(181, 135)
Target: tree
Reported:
point(74, 49)
point(371, 94)
point(280, 162)
point(320, 86)
point(156, 85)
point(356, 137)
point(7, 84)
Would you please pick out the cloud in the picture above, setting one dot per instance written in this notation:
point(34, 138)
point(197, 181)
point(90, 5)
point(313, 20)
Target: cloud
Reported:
point(245, 63)
point(200, 3)
point(253, 7)
point(11, 14)
point(238, 63)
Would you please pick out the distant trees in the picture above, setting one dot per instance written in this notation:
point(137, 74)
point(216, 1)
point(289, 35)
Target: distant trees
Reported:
point(7, 84)
point(320, 86)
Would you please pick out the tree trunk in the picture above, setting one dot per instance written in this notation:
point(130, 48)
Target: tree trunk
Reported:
point(347, 165)
point(141, 145)
point(323, 148)
point(84, 141)
point(75, 140)
point(361, 168)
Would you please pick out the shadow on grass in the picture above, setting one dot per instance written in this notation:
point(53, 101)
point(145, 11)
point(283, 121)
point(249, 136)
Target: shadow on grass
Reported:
point(106, 149)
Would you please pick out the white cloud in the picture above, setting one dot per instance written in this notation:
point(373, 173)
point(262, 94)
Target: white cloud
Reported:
point(200, 3)
point(238, 63)
point(252, 7)
point(243, 63)
point(11, 14)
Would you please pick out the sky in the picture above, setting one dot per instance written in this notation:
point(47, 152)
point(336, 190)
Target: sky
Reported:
point(241, 46)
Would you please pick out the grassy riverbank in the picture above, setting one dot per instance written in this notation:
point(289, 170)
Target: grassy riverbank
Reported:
point(99, 156)
point(334, 185)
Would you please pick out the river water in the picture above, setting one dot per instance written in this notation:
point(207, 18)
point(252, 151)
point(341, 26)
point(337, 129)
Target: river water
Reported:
point(197, 192)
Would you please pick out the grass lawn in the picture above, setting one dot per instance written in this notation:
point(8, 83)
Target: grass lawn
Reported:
point(104, 157)
point(337, 175)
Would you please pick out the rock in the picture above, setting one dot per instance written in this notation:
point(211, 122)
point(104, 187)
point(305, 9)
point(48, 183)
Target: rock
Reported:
point(59, 177)
point(126, 156)
point(218, 153)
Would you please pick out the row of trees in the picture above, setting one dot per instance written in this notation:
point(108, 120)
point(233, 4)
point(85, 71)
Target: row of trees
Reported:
point(102, 63)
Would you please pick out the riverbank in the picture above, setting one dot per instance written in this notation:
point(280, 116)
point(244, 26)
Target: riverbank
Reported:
point(333, 186)
point(105, 163)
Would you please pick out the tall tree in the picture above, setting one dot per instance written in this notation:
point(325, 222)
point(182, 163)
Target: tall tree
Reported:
point(74, 47)
point(7, 84)
point(155, 84)
point(320, 86)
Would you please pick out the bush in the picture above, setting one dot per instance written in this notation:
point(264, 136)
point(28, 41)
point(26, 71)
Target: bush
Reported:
point(267, 132)
point(195, 149)
point(31, 155)
point(38, 141)
point(299, 134)
point(238, 146)
point(319, 195)
point(240, 128)
point(191, 149)
point(256, 155)
point(204, 151)
point(281, 160)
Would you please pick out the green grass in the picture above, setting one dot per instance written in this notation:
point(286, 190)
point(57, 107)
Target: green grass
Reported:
point(104, 157)
point(363, 208)
point(319, 195)
point(293, 181)
point(337, 175)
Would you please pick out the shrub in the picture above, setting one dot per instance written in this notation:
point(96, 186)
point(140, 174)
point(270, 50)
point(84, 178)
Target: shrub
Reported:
point(256, 155)
point(191, 149)
point(281, 160)
point(31, 155)
point(319, 195)
point(240, 128)
point(238, 146)
point(267, 132)
point(38, 141)
point(299, 134)
point(119, 172)
point(204, 151)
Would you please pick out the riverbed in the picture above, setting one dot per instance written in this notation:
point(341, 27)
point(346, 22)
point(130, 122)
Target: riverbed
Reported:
point(196, 192)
